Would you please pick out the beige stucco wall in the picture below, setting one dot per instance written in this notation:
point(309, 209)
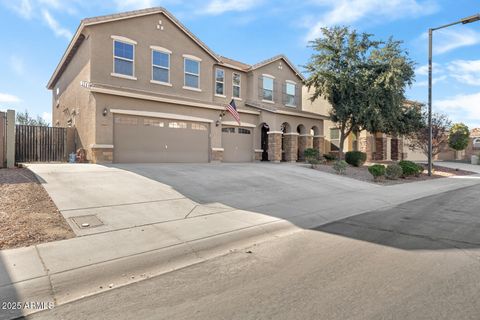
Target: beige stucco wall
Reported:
point(73, 98)
point(281, 76)
point(144, 31)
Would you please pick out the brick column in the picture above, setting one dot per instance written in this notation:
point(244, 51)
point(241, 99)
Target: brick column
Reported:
point(275, 146)
point(319, 144)
point(305, 141)
point(291, 146)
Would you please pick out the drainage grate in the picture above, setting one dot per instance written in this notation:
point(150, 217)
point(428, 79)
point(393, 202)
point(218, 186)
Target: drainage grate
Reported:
point(90, 221)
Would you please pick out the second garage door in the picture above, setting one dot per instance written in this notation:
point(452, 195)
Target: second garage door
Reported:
point(142, 139)
point(237, 143)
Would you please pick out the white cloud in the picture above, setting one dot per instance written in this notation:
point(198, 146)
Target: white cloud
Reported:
point(446, 40)
point(346, 12)
point(423, 70)
point(47, 116)
point(435, 80)
point(134, 4)
point(17, 65)
point(55, 26)
point(8, 98)
point(216, 7)
point(465, 71)
point(23, 7)
point(461, 108)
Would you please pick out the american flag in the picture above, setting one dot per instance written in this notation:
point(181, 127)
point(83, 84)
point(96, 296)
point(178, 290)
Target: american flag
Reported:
point(232, 108)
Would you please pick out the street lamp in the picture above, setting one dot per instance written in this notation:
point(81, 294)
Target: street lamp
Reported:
point(430, 34)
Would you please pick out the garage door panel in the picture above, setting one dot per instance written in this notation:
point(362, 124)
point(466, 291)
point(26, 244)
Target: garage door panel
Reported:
point(140, 139)
point(237, 144)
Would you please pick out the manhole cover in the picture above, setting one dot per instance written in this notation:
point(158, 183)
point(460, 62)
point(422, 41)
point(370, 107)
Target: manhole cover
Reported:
point(84, 222)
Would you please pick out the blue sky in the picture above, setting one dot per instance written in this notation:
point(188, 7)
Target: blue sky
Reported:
point(35, 33)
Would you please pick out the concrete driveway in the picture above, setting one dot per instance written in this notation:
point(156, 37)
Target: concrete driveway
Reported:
point(123, 196)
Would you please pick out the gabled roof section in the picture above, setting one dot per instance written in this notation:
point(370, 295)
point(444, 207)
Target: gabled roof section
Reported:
point(74, 44)
point(275, 58)
point(234, 63)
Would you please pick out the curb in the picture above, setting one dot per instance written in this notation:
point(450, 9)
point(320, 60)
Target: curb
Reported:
point(67, 286)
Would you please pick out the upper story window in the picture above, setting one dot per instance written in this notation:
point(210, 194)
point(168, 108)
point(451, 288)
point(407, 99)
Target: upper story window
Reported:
point(219, 82)
point(192, 72)
point(334, 134)
point(267, 88)
point(236, 79)
point(290, 88)
point(123, 57)
point(161, 65)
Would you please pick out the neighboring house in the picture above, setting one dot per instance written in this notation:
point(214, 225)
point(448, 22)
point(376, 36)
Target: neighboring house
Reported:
point(140, 87)
point(377, 146)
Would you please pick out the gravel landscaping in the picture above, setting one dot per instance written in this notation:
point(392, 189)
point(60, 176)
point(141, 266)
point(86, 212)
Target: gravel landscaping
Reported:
point(361, 173)
point(27, 214)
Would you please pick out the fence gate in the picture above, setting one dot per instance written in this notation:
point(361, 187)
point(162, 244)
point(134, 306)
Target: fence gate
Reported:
point(40, 144)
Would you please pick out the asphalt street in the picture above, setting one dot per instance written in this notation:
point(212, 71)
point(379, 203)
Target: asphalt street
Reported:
point(419, 260)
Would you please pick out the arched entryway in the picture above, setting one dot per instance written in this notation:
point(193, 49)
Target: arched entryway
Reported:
point(264, 140)
point(285, 128)
point(302, 141)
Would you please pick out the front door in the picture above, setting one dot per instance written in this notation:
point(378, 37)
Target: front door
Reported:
point(264, 142)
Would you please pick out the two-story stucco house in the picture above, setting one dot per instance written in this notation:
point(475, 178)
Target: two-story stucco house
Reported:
point(140, 87)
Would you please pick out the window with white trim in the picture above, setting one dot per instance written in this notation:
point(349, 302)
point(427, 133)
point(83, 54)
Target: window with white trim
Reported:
point(267, 88)
point(236, 81)
point(219, 82)
point(160, 66)
point(123, 56)
point(290, 89)
point(192, 73)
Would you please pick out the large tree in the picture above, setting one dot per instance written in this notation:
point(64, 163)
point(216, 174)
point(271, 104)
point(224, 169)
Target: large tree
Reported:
point(364, 80)
point(458, 137)
point(420, 137)
point(27, 119)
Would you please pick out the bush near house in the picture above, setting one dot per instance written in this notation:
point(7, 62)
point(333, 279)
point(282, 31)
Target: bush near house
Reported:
point(340, 166)
point(355, 158)
point(329, 157)
point(377, 171)
point(311, 154)
point(410, 168)
point(393, 172)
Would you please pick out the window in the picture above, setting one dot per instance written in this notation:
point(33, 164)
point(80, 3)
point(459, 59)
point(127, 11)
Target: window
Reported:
point(290, 89)
point(476, 143)
point(236, 79)
point(123, 58)
point(153, 123)
point(219, 82)
point(160, 66)
point(228, 130)
point(267, 88)
point(199, 126)
point(126, 120)
point(243, 131)
point(192, 73)
point(334, 134)
point(177, 125)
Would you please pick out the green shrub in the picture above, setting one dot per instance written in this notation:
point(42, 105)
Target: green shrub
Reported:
point(393, 172)
point(410, 168)
point(340, 166)
point(311, 154)
point(355, 158)
point(329, 157)
point(377, 171)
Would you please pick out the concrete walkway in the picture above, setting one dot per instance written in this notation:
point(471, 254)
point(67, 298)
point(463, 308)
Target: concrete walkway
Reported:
point(151, 227)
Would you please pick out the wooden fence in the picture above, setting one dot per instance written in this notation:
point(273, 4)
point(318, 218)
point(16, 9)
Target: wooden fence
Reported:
point(40, 144)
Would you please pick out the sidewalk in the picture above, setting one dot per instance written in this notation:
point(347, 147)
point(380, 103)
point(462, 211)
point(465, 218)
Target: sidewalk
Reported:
point(135, 249)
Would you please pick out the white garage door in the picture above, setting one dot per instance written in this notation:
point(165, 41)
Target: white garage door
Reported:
point(237, 143)
point(142, 139)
